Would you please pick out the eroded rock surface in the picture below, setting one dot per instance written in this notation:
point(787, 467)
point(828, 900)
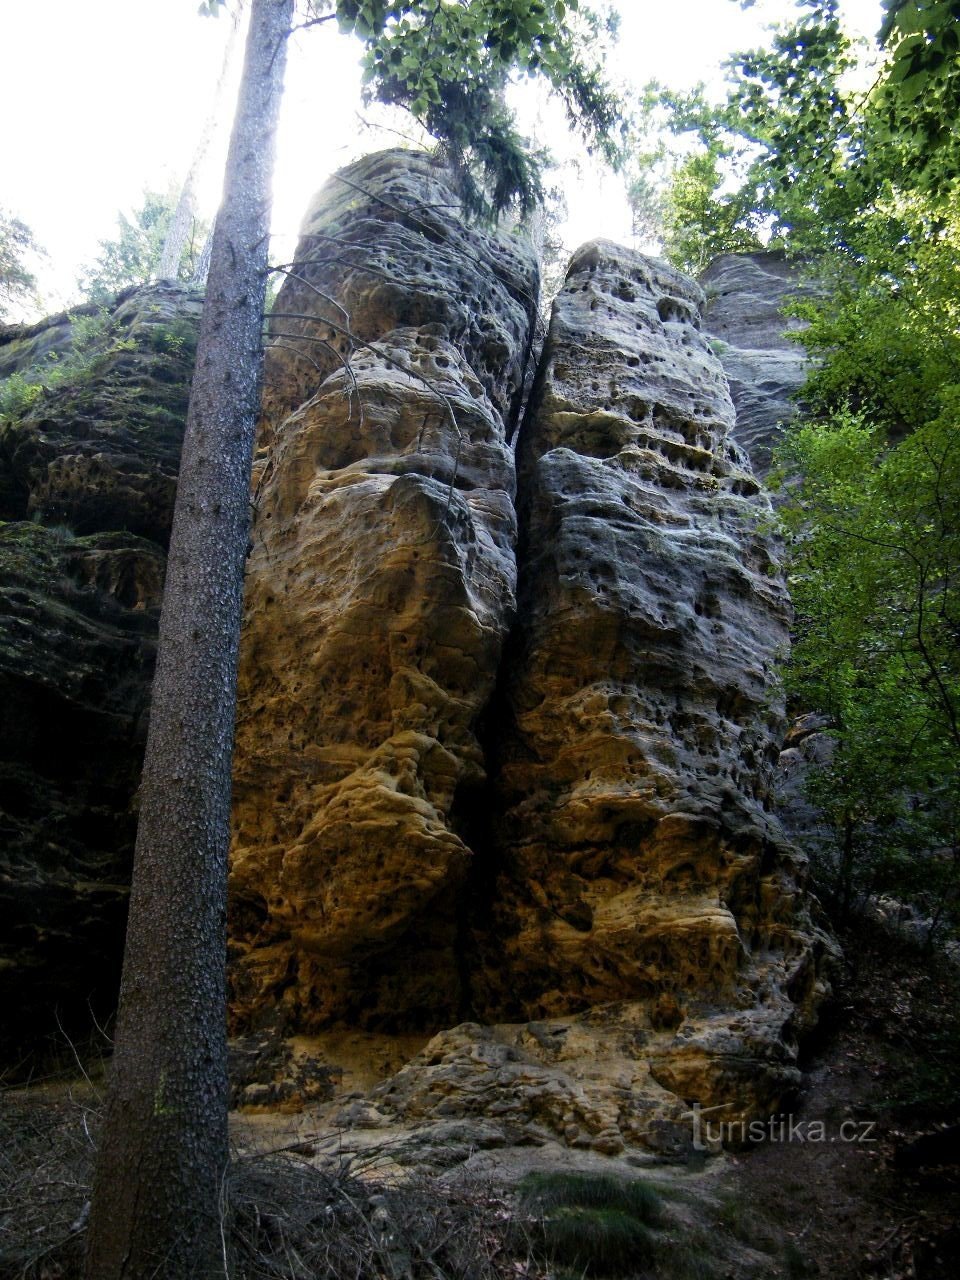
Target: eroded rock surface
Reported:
point(87, 470)
point(581, 860)
point(380, 587)
point(640, 712)
point(486, 892)
point(101, 450)
point(743, 314)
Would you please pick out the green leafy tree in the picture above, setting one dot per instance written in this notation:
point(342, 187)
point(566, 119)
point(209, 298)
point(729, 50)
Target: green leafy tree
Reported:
point(17, 282)
point(875, 528)
point(449, 64)
point(163, 1148)
point(864, 181)
point(808, 157)
point(918, 101)
point(698, 222)
point(133, 257)
point(785, 145)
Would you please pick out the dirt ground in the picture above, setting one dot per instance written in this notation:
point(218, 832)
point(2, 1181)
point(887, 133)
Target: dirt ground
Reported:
point(862, 1183)
point(883, 1073)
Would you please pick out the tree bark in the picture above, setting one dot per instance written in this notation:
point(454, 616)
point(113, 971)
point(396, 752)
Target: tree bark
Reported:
point(163, 1146)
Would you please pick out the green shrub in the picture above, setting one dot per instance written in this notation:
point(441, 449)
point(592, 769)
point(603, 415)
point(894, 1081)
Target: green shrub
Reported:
point(21, 390)
point(597, 1242)
point(17, 394)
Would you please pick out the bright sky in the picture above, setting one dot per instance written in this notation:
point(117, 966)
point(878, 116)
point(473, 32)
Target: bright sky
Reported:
point(102, 98)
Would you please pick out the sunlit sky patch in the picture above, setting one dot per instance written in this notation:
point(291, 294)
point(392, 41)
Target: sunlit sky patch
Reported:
point(104, 98)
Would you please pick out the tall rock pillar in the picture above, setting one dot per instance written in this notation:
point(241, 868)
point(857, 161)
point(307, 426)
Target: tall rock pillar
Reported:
point(380, 587)
point(634, 855)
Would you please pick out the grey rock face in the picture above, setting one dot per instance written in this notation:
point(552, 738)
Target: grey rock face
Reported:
point(89, 469)
point(745, 294)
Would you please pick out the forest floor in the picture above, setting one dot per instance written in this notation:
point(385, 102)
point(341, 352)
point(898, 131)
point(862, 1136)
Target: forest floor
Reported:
point(865, 1185)
point(885, 1203)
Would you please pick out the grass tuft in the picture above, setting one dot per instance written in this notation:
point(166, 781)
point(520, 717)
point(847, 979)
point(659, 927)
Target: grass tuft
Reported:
point(594, 1224)
point(547, 1191)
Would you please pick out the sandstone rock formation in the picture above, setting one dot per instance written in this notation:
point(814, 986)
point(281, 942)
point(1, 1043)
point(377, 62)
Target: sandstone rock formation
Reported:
point(508, 705)
point(380, 588)
point(567, 840)
point(643, 717)
point(87, 476)
point(642, 904)
point(743, 314)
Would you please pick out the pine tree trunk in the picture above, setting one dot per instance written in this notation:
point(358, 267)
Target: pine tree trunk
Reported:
point(163, 1146)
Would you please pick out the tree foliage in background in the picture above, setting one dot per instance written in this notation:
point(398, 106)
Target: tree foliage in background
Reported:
point(133, 257)
point(814, 163)
point(863, 182)
point(449, 64)
point(697, 223)
point(875, 529)
point(918, 101)
point(17, 282)
point(874, 520)
point(781, 156)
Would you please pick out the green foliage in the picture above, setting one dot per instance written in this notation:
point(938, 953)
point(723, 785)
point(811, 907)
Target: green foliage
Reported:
point(786, 142)
point(862, 181)
point(133, 257)
point(699, 223)
point(885, 330)
point(17, 282)
point(178, 338)
point(23, 389)
point(875, 528)
point(549, 1191)
point(918, 102)
point(808, 157)
point(449, 65)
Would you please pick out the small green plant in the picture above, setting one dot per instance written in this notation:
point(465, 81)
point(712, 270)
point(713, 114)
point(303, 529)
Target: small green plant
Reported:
point(178, 338)
point(85, 329)
point(596, 1225)
point(21, 390)
point(17, 394)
